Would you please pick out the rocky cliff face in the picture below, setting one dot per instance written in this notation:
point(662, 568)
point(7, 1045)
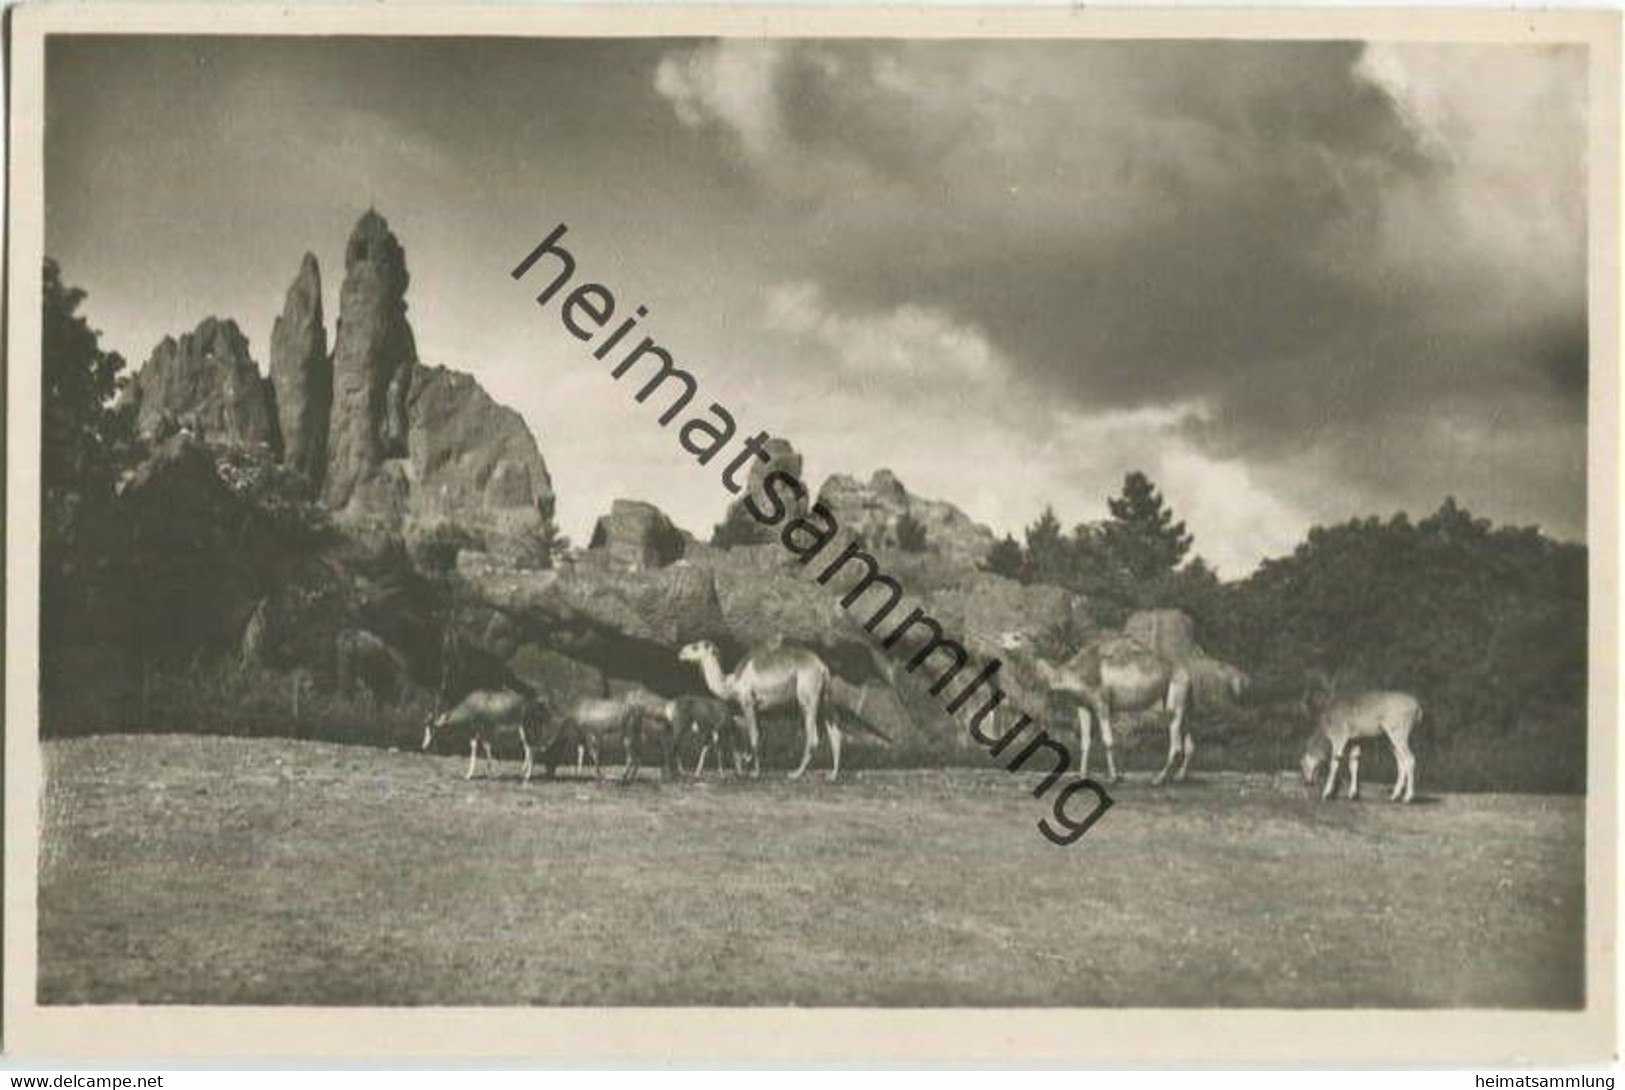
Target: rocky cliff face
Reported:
point(208, 384)
point(372, 349)
point(781, 456)
point(396, 448)
point(302, 374)
point(874, 510)
point(472, 463)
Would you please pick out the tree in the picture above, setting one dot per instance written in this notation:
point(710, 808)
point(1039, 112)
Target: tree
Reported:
point(82, 435)
point(83, 442)
point(1049, 557)
point(1142, 531)
point(1005, 558)
point(911, 536)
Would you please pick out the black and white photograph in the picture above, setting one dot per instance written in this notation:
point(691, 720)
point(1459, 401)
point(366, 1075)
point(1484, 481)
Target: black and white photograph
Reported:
point(774, 516)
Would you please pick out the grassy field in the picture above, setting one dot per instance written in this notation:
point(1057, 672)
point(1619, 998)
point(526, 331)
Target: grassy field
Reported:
point(213, 870)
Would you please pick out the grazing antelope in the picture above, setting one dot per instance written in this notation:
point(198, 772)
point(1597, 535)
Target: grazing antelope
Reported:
point(1340, 724)
point(591, 721)
point(713, 722)
point(487, 714)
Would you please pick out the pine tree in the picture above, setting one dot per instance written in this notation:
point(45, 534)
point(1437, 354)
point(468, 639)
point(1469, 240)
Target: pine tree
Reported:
point(1142, 531)
point(1049, 554)
point(1005, 558)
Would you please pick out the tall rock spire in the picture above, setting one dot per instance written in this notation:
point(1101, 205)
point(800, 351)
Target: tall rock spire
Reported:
point(372, 350)
point(302, 374)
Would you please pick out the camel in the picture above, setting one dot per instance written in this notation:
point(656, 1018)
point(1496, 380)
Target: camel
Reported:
point(1118, 676)
point(1340, 724)
point(773, 677)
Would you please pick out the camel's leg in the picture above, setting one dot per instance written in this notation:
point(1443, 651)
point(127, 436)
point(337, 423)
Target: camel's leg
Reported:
point(490, 761)
point(530, 757)
point(592, 751)
point(1175, 747)
point(809, 727)
point(473, 757)
point(581, 757)
point(1179, 703)
point(1354, 773)
point(1109, 740)
point(753, 734)
point(835, 751)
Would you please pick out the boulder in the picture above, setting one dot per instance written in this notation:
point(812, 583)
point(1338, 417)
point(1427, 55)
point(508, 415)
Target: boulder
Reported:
point(302, 374)
point(471, 464)
point(985, 606)
point(875, 509)
point(637, 536)
point(559, 677)
point(205, 383)
point(781, 456)
point(1171, 633)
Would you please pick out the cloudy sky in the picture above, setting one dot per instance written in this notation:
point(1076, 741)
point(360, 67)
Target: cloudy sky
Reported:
point(1292, 282)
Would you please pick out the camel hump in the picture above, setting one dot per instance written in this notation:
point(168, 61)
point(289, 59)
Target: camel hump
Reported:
point(783, 657)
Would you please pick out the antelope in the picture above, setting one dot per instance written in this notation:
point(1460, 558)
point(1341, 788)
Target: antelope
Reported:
point(487, 714)
point(1341, 723)
point(713, 722)
point(590, 721)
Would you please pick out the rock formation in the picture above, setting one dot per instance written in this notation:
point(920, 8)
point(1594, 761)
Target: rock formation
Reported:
point(1171, 633)
point(373, 347)
point(739, 524)
point(474, 464)
point(205, 383)
point(302, 374)
point(874, 510)
point(637, 536)
point(414, 449)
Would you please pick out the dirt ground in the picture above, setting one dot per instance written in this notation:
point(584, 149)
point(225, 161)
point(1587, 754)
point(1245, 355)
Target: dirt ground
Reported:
point(208, 870)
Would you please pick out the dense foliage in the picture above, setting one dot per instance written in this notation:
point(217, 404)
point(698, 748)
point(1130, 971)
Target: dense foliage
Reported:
point(1487, 625)
point(83, 442)
point(1130, 561)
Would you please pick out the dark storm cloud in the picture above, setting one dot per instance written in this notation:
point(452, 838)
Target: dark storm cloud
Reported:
point(1320, 242)
point(1295, 281)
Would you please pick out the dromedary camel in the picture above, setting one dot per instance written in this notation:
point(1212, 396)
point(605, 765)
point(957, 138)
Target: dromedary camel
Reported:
point(1118, 676)
point(772, 677)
